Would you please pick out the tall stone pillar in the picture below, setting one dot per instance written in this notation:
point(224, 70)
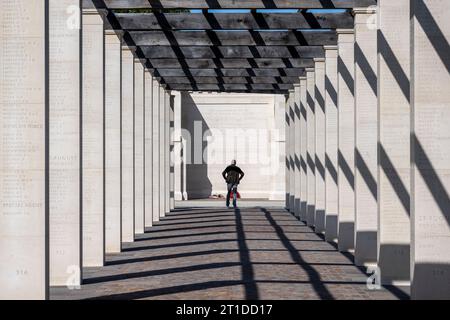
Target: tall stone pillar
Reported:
point(148, 151)
point(156, 151)
point(139, 102)
point(292, 139)
point(113, 97)
point(178, 149)
point(288, 154)
point(366, 133)
point(311, 146)
point(430, 106)
point(319, 101)
point(346, 133)
point(24, 208)
point(171, 155)
point(303, 150)
point(64, 139)
point(127, 144)
point(167, 151)
point(394, 135)
point(162, 152)
point(297, 147)
point(331, 152)
point(279, 150)
point(93, 215)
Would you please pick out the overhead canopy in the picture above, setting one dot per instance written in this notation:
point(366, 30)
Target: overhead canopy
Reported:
point(195, 45)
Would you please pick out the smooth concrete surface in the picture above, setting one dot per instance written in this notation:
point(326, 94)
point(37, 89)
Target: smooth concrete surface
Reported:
point(93, 214)
point(127, 145)
point(366, 137)
point(162, 152)
point(297, 148)
point(394, 167)
point(346, 132)
point(311, 146)
point(331, 141)
point(24, 210)
point(148, 149)
point(156, 151)
point(303, 150)
point(64, 155)
point(319, 161)
point(291, 146)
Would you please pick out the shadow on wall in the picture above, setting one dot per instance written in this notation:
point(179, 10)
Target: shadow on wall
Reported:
point(198, 185)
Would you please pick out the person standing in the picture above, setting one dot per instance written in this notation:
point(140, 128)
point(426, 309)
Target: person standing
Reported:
point(233, 176)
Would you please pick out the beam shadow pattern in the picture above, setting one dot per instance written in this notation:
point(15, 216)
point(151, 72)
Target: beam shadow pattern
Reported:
point(253, 253)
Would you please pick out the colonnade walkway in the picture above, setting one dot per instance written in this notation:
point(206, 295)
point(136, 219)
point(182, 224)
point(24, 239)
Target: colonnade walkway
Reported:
point(209, 252)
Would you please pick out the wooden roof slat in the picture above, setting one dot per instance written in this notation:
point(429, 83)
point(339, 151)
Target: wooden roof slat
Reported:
point(230, 63)
point(240, 21)
point(237, 4)
point(211, 52)
point(231, 80)
point(242, 72)
point(234, 38)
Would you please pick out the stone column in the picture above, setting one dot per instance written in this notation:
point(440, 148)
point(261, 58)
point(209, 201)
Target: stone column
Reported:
point(148, 151)
point(167, 151)
point(156, 151)
point(139, 96)
point(346, 133)
point(292, 139)
point(64, 138)
point(171, 156)
point(24, 208)
point(430, 102)
point(113, 97)
point(127, 145)
point(288, 154)
point(93, 215)
point(319, 101)
point(303, 150)
point(297, 147)
point(331, 152)
point(311, 146)
point(366, 135)
point(178, 149)
point(278, 151)
point(394, 136)
point(162, 155)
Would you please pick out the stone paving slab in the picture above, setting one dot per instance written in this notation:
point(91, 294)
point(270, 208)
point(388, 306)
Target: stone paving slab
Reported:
point(214, 253)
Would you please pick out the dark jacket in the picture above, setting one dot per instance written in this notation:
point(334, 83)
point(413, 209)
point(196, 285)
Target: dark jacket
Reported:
point(233, 174)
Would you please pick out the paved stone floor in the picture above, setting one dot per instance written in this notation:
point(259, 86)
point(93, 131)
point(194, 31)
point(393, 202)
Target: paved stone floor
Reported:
point(215, 253)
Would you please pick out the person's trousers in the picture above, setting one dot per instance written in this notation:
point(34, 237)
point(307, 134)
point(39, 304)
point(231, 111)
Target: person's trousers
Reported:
point(232, 187)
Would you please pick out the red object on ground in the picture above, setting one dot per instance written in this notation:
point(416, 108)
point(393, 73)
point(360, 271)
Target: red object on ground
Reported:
point(238, 195)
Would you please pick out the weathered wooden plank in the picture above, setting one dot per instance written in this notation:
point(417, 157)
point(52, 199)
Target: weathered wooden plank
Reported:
point(230, 63)
point(237, 4)
point(234, 38)
point(282, 72)
point(239, 21)
point(230, 87)
point(230, 80)
point(211, 52)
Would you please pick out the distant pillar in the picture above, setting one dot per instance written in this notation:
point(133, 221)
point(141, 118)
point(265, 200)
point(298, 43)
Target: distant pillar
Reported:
point(162, 155)
point(178, 149)
point(93, 215)
point(64, 153)
point(331, 152)
point(430, 189)
point(167, 151)
point(394, 167)
point(156, 151)
point(288, 154)
point(171, 153)
point(303, 150)
point(148, 149)
point(297, 147)
point(139, 105)
point(113, 65)
point(292, 139)
point(278, 150)
point(311, 146)
point(127, 144)
point(366, 129)
point(319, 100)
point(24, 254)
point(346, 152)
